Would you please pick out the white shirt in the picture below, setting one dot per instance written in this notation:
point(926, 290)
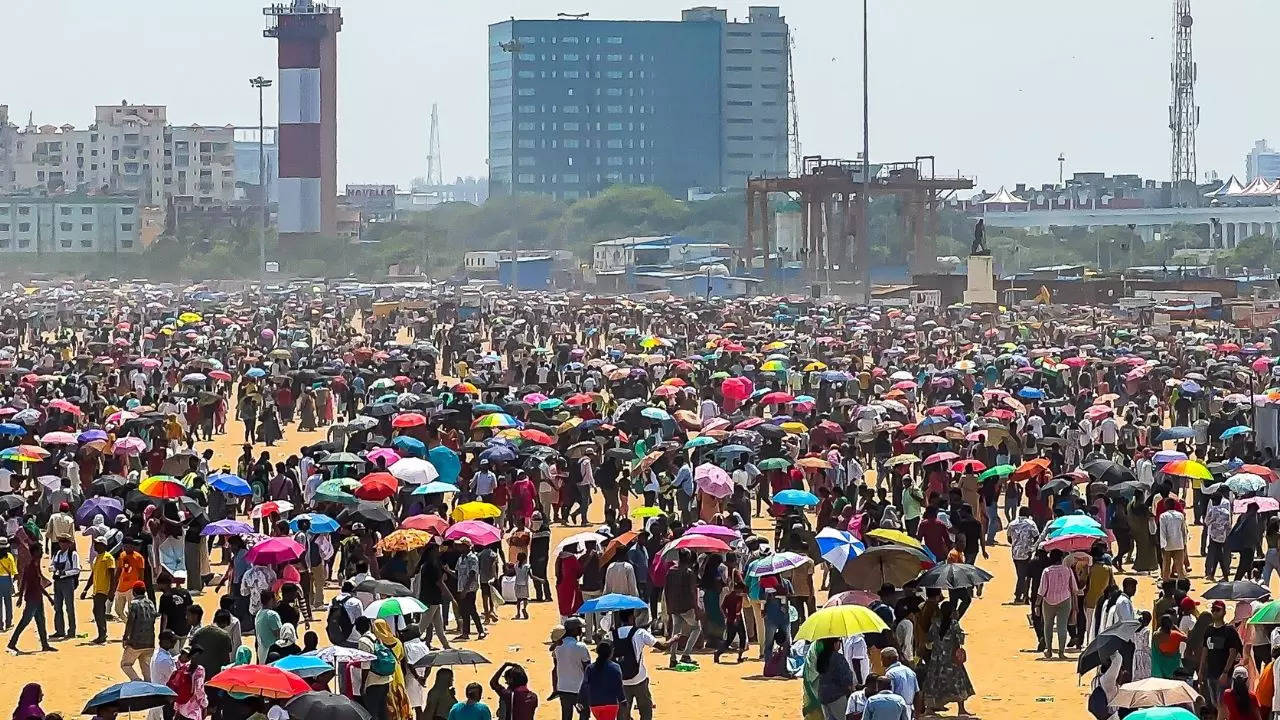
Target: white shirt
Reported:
point(485, 481)
point(640, 639)
point(1108, 431)
point(1173, 530)
point(571, 658)
point(6, 480)
point(708, 409)
point(1122, 610)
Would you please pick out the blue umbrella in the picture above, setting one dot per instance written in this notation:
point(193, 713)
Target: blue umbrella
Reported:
point(838, 547)
point(801, 498)
point(485, 408)
point(446, 463)
point(304, 666)
point(13, 430)
point(1167, 456)
point(1177, 432)
point(230, 484)
point(931, 421)
point(1234, 431)
point(1031, 393)
point(321, 524)
point(498, 453)
point(255, 373)
point(130, 696)
point(226, 527)
point(88, 436)
point(654, 413)
point(612, 603)
point(1086, 530)
point(409, 446)
point(732, 450)
point(1191, 387)
point(434, 487)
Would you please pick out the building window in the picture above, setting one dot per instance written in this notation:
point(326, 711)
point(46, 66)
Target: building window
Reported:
point(525, 178)
point(525, 92)
point(24, 227)
point(613, 92)
point(613, 57)
point(64, 210)
point(769, 51)
point(87, 211)
point(571, 74)
point(613, 40)
point(615, 126)
point(615, 144)
point(526, 126)
point(527, 108)
point(614, 74)
point(739, 155)
point(571, 143)
point(66, 226)
point(570, 126)
point(615, 109)
point(4, 227)
point(738, 68)
point(739, 121)
point(738, 33)
point(526, 74)
point(526, 57)
point(525, 161)
point(86, 243)
point(525, 144)
point(739, 51)
point(614, 161)
point(65, 243)
point(569, 178)
point(740, 103)
point(570, 109)
point(126, 211)
point(570, 57)
point(86, 227)
point(126, 227)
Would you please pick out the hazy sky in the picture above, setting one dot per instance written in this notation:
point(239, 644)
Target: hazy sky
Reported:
point(993, 88)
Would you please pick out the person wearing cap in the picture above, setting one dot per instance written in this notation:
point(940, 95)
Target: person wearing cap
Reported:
point(139, 636)
point(66, 576)
point(1222, 648)
point(569, 662)
point(60, 523)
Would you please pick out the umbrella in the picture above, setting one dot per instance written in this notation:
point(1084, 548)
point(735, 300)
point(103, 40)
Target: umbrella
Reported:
point(475, 510)
point(304, 666)
point(694, 543)
point(162, 486)
point(1073, 522)
point(383, 587)
point(1109, 472)
point(130, 697)
point(1268, 614)
point(230, 484)
point(1226, 434)
point(611, 603)
point(840, 621)
point(394, 606)
point(274, 551)
point(852, 597)
point(452, 656)
point(367, 513)
point(713, 480)
point(1117, 638)
point(1188, 468)
point(260, 680)
point(997, 471)
point(477, 531)
point(446, 462)
point(321, 524)
point(798, 498)
point(776, 563)
point(322, 705)
point(582, 539)
point(1238, 590)
point(891, 564)
point(837, 546)
point(335, 654)
point(428, 523)
point(108, 507)
point(1161, 713)
point(226, 527)
point(1242, 483)
point(435, 488)
point(953, 576)
point(1155, 693)
point(896, 537)
point(776, 463)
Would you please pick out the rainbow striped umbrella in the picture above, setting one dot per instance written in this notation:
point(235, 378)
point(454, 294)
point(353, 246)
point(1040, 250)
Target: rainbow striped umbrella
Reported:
point(496, 421)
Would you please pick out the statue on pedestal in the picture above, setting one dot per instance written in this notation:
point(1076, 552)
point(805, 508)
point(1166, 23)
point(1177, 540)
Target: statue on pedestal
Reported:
point(979, 246)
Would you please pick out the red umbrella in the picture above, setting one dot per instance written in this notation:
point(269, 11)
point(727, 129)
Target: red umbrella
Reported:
point(408, 420)
point(1260, 470)
point(968, 465)
point(695, 543)
point(261, 680)
point(852, 597)
point(377, 486)
point(429, 523)
point(776, 398)
point(537, 436)
point(578, 400)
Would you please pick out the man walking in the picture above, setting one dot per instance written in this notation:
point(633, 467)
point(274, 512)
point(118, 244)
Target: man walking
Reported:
point(66, 576)
point(139, 638)
point(101, 576)
point(32, 593)
point(1023, 536)
point(682, 606)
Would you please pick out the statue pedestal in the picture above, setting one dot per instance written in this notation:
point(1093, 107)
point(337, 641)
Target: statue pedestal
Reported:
point(981, 288)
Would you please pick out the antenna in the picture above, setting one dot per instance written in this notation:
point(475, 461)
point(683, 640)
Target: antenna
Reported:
point(1184, 115)
point(793, 128)
point(434, 173)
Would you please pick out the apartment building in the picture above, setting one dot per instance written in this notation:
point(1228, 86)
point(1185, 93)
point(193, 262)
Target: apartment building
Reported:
point(75, 223)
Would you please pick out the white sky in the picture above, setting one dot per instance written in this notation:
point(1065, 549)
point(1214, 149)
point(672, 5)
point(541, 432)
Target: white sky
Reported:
point(993, 88)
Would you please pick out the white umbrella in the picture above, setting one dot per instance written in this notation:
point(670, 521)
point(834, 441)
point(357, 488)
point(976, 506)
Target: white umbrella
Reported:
point(581, 538)
point(415, 471)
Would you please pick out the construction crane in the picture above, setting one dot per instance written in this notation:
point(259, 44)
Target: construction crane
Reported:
point(434, 174)
point(793, 127)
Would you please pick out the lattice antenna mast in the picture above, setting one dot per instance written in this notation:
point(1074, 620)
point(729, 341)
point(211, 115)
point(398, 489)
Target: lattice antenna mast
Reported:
point(1184, 115)
point(793, 127)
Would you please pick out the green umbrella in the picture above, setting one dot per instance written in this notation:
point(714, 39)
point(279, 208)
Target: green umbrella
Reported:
point(700, 441)
point(550, 404)
point(391, 607)
point(997, 471)
point(1267, 614)
point(775, 463)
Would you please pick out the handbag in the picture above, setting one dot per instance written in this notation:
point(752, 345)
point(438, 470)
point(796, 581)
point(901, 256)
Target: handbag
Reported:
point(960, 656)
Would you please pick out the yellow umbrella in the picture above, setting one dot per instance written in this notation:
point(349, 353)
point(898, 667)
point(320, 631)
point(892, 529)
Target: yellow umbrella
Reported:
point(840, 621)
point(187, 318)
point(404, 540)
point(903, 459)
point(815, 365)
point(798, 428)
point(475, 511)
point(895, 536)
point(569, 424)
point(775, 345)
point(647, 511)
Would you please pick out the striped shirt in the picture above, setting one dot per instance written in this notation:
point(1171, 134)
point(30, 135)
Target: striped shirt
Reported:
point(1058, 584)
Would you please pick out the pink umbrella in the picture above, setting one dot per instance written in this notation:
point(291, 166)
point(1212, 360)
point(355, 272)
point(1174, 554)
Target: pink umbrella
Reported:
point(534, 398)
point(389, 457)
point(715, 531)
point(852, 597)
point(1261, 364)
point(477, 531)
point(58, 438)
point(940, 457)
point(713, 480)
point(1072, 543)
point(1076, 362)
point(717, 423)
point(129, 446)
point(749, 423)
point(274, 551)
point(1265, 504)
point(695, 543)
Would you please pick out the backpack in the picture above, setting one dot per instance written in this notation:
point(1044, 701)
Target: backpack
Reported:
point(624, 653)
point(180, 682)
point(384, 661)
point(337, 624)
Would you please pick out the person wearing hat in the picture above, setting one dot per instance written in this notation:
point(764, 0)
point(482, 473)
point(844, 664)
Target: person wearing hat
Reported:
point(139, 637)
point(1222, 648)
point(66, 576)
point(569, 661)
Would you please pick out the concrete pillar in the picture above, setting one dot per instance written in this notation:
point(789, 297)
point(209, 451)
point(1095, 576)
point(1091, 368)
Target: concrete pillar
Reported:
point(1228, 234)
point(1147, 233)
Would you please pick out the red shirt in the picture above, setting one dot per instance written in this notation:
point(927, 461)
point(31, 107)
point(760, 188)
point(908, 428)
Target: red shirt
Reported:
point(935, 536)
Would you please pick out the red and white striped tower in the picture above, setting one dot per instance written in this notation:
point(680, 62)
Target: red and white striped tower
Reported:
point(307, 37)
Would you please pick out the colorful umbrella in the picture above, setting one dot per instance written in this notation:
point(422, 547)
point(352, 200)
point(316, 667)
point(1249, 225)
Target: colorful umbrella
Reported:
point(259, 680)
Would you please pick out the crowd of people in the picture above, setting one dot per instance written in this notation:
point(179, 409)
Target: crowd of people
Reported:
point(809, 488)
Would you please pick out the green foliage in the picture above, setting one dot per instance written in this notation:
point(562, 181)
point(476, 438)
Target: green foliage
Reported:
point(1255, 252)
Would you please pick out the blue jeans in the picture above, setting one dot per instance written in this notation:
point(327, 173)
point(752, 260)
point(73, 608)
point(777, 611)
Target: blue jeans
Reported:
point(993, 523)
point(771, 629)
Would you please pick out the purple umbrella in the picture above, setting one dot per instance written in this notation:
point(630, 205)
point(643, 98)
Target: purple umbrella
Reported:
point(108, 507)
point(716, 531)
point(226, 527)
point(1168, 456)
point(776, 563)
point(93, 435)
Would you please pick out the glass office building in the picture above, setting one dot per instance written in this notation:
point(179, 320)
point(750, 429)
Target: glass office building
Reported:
point(578, 105)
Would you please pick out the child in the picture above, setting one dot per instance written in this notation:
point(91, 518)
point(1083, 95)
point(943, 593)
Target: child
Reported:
point(522, 574)
point(735, 626)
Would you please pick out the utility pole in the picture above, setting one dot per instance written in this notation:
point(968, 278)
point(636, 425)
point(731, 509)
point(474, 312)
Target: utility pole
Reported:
point(262, 84)
point(1062, 159)
point(864, 198)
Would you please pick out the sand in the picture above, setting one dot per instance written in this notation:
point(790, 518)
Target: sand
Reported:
point(1011, 680)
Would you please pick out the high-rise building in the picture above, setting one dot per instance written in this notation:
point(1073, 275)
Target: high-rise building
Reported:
point(1262, 162)
point(576, 105)
point(306, 33)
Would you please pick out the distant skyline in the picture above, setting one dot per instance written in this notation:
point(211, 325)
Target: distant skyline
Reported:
point(994, 90)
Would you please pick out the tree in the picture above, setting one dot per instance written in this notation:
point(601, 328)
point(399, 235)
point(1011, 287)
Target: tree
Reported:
point(1254, 252)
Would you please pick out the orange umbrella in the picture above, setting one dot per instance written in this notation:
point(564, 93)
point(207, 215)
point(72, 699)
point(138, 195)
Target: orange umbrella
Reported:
point(1030, 469)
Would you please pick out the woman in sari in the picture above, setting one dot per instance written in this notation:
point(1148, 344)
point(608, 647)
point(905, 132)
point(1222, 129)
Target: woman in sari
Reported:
point(568, 589)
point(947, 680)
point(1144, 540)
point(397, 698)
point(1166, 646)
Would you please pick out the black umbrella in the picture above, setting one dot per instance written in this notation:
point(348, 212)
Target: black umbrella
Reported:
point(1238, 590)
point(130, 697)
point(1101, 648)
point(453, 656)
point(381, 410)
point(108, 485)
point(1109, 471)
point(953, 576)
point(383, 587)
point(9, 503)
point(1054, 486)
point(322, 705)
point(1127, 489)
point(367, 513)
